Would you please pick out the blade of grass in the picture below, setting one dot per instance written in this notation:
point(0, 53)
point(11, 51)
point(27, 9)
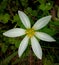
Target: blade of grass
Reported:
point(8, 59)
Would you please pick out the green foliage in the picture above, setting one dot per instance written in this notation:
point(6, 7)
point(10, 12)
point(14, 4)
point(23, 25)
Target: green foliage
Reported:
point(3, 5)
point(9, 19)
point(12, 41)
point(46, 6)
point(49, 31)
point(56, 64)
point(4, 17)
point(56, 23)
point(24, 3)
point(41, 1)
point(17, 43)
point(17, 19)
point(47, 62)
point(31, 12)
point(8, 59)
point(4, 48)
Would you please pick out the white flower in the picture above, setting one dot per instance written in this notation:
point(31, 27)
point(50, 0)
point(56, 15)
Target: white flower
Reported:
point(31, 33)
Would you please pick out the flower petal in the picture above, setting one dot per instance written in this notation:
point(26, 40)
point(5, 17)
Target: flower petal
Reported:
point(14, 32)
point(44, 36)
point(23, 46)
point(41, 22)
point(24, 18)
point(36, 47)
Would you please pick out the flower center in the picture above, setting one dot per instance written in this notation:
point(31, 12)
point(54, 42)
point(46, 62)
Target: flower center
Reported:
point(30, 32)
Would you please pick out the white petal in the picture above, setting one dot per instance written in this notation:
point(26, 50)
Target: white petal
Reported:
point(41, 22)
point(44, 36)
point(15, 32)
point(36, 47)
point(24, 18)
point(23, 46)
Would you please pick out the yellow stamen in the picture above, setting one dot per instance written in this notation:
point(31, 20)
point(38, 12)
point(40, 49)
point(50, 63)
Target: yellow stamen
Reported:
point(30, 32)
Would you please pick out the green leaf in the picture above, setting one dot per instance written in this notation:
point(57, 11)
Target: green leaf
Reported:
point(31, 12)
point(34, 13)
point(18, 21)
point(4, 17)
point(3, 5)
point(28, 10)
point(4, 48)
point(48, 31)
point(41, 1)
point(42, 7)
point(24, 3)
point(46, 6)
point(56, 23)
point(15, 18)
point(8, 59)
point(1, 16)
point(47, 62)
point(17, 43)
point(11, 40)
